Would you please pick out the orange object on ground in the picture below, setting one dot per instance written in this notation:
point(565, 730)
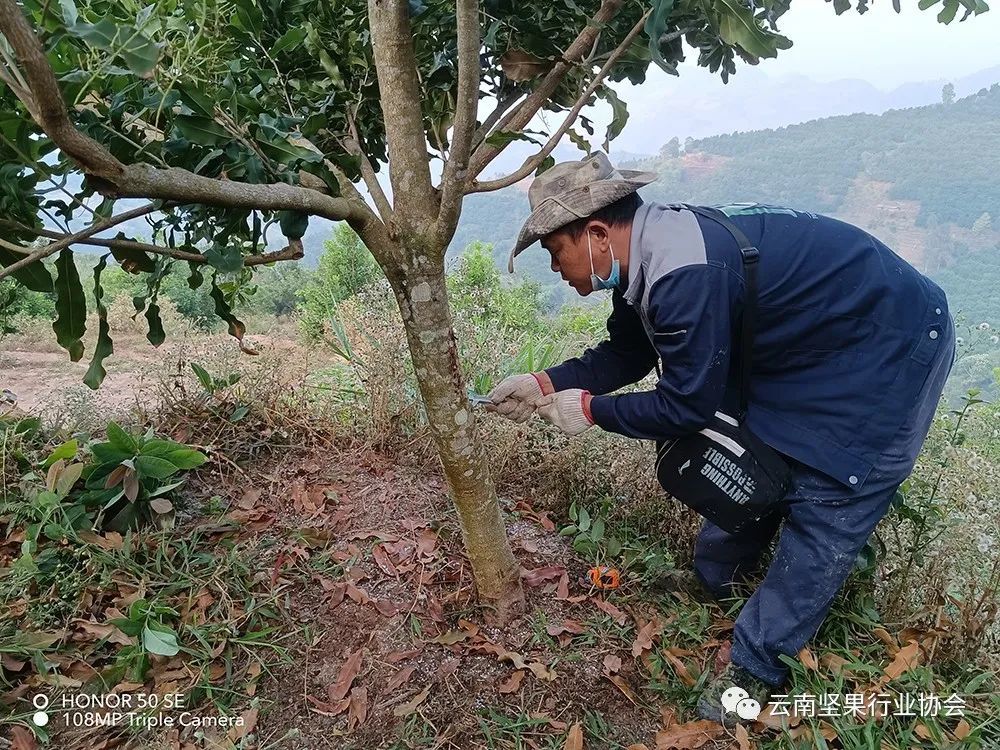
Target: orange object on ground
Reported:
point(604, 578)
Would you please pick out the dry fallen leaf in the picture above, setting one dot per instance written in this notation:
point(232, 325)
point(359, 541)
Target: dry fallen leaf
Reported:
point(22, 738)
point(542, 672)
point(962, 730)
point(742, 737)
point(808, 660)
point(574, 740)
point(612, 663)
point(908, 657)
point(382, 559)
point(562, 590)
point(399, 678)
point(386, 608)
point(611, 611)
point(413, 704)
point(689, 736)
point(679, 667)
point(538, 576)
point(350, 670)
point(513, 683)
point(644, 638)
point(568, 626)
point(358, 710)
point(619, 682)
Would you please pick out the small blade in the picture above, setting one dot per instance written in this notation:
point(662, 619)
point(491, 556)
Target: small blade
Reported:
point(477, 399)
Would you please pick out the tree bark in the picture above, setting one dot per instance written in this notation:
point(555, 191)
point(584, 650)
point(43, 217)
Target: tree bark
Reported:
point(423, 304)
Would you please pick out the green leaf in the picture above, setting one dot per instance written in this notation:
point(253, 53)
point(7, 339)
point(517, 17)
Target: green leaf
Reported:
point(655, 27)
point(66, 450)
point(738, 28)
point(181, 456)
point(156, 335)
point(153, 466)
point(614, 547)
point(35, 276)
point(502, 138)
point(293, 224)
point(160, 642)
point(121, 440)
point(106, 453)
point(195, 279)
point(619, 118)
point(198, 101)
point(597, 530)
point(138, 52)
point(105, 346)
point(547, 163)
point(71, 307)
point(224, 311)
point(201, 130)
point(284, 152)
point(289, 40)
point(239, 413)
point(947, 14)
point(203, 377)
point(568, 530)
point(584, 520)
point(227, 258)
point(69, 12)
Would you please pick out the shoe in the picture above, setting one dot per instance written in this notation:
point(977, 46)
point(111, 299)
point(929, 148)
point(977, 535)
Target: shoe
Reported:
point(684, 582)
point(734, 697)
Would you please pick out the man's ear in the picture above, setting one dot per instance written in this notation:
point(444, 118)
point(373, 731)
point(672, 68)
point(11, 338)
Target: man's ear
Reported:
point(600, 235)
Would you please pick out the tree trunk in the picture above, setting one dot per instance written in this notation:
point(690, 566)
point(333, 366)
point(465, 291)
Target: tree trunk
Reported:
point(423, 304)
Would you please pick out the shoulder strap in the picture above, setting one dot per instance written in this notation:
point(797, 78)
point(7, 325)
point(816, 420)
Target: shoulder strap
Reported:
point(749, 318)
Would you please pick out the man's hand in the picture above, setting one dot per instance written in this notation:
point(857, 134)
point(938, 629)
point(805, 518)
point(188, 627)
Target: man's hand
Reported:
point(514, 397)
point(568, 410)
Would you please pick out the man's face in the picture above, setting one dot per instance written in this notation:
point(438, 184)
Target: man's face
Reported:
point(570, 257)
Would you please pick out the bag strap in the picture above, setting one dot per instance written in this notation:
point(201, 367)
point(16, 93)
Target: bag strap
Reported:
point(751, 256)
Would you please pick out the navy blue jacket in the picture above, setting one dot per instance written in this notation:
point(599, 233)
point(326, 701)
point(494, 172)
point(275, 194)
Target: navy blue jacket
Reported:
point(846, 330)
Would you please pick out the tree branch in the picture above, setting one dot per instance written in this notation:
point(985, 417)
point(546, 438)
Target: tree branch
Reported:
point(142, 180)
point(353, 145)
point(399, 91)
point(70, 239)
point(518, 118)
point(502, 106)
point(293, 251)
point(532, 163)
point(45, 102)
point(454, 177)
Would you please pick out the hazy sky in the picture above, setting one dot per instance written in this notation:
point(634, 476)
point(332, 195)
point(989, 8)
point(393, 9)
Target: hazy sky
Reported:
point(883, 47)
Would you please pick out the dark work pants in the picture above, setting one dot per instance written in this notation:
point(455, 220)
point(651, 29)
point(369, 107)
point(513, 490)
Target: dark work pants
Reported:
point(823, 530)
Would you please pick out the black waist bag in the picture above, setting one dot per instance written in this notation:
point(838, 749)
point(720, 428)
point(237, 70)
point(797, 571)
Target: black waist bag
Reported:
point(725, 472)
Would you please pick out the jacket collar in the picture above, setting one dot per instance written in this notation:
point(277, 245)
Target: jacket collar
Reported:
point(635, 264)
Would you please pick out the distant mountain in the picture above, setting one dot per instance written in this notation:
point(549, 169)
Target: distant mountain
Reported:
point(695, 106)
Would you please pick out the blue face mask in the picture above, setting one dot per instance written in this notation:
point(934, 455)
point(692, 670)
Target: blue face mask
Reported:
point(596, 282)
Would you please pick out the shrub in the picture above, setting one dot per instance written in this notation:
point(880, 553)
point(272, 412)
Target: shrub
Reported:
point(345, 268)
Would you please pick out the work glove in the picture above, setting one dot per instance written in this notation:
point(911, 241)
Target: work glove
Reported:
point(568, 410)
point(514, 397)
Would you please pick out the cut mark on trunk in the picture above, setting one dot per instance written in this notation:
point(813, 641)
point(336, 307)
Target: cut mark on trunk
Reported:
point(421, 292)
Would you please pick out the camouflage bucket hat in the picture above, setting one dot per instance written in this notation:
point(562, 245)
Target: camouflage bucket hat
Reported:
point(573, 190)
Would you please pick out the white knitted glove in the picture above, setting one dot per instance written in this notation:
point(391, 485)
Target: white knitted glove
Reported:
point(567, 410)
point(514, 397)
